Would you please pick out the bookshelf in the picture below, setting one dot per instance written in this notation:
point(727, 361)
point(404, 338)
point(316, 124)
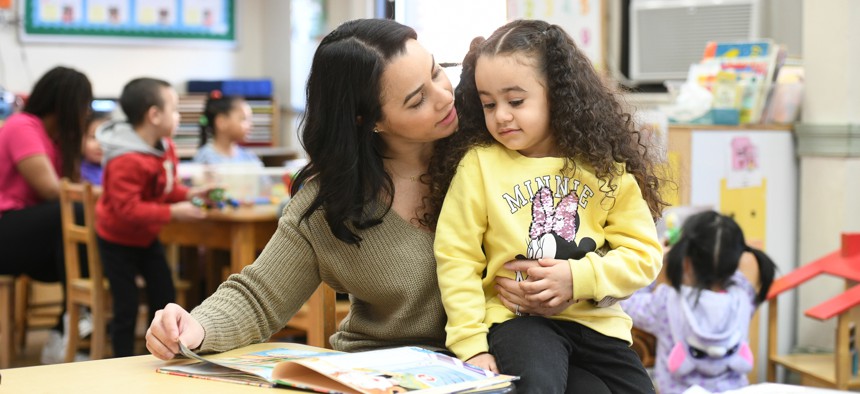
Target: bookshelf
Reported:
point(265, 123)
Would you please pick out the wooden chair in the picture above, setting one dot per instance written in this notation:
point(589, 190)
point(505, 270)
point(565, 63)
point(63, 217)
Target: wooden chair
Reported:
point(37, 305)
point(7, 312)
point(89, 292)
point(645, 345)
point(319, 317)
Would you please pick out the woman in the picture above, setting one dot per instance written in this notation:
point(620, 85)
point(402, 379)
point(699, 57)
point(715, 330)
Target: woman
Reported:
point(37, 147)
point(376, 103)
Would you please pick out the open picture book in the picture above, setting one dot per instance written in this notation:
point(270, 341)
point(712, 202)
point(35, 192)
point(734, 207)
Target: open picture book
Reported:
point(303, 367)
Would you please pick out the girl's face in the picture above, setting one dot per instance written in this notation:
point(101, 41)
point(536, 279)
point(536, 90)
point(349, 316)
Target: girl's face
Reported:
point(516, 106)
point(92, 150)
point(417, 98)
point(237, 123)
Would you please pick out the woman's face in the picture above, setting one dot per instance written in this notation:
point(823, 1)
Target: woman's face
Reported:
point(417, 98)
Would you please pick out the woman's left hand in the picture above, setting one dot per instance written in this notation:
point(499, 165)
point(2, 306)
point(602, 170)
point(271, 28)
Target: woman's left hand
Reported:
point(547, 291)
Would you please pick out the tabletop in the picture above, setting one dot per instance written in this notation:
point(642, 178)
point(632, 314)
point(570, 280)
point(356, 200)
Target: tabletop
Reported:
point(127, 375)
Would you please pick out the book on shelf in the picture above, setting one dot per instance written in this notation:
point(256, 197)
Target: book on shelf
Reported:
point(400, 369)
point(753, 66)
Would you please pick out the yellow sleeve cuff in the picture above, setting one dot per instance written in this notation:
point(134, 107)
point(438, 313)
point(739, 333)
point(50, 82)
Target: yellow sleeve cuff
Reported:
point(469, 347)
point(582, 278)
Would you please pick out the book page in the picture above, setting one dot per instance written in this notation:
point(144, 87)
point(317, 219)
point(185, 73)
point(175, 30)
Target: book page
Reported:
point(253, 368)
point(399, 369)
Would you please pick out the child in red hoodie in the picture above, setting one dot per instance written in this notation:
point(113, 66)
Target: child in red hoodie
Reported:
point(141, 194)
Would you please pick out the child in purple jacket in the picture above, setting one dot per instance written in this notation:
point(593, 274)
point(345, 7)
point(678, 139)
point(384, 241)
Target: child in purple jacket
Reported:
point(700, 307)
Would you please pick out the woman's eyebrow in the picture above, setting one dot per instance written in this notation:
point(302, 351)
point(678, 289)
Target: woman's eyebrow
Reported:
point(416, 91)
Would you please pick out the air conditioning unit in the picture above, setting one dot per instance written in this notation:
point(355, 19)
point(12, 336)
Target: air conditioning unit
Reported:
point(666, 36)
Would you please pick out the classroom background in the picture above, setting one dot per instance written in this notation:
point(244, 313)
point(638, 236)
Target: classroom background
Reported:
point(799, 180)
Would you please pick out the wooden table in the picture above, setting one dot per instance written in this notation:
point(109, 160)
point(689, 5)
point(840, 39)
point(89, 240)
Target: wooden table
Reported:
point(126, 375)
point(243, 231)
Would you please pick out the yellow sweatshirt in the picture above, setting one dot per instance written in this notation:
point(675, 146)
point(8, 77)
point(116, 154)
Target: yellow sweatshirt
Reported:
point(502, 204)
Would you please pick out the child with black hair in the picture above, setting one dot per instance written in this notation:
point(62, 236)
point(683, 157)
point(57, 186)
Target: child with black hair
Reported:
point(91, 165)
point(701, 306)
point(141, 194)
point(227, 120)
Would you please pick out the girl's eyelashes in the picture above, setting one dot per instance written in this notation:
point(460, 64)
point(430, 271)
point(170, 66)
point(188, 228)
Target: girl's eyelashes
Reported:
point(513, 103)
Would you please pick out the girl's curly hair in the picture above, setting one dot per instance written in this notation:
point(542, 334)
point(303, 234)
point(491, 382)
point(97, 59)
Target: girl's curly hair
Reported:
point(588, 120)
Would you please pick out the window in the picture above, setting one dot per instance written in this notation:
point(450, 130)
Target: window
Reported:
point(446, 27)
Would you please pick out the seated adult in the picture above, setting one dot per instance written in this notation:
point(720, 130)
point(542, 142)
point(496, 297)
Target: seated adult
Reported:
point(38, 146)
point(377, 101)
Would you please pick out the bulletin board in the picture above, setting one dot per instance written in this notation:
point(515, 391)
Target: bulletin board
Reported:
point(581, 19)
point(128, 21)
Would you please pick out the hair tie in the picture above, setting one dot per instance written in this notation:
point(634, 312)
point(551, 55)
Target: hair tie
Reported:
point(215, 94)
point(204, 121)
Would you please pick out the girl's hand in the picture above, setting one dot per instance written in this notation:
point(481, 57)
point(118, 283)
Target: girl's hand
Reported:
point(485, 361)
point(549, 283)
point(170, 326)
point(514, 296)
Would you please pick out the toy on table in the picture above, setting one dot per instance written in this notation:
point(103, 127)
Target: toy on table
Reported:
point(217, 199)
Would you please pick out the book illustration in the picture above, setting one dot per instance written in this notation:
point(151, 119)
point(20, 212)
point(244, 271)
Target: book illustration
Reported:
point(396, 370)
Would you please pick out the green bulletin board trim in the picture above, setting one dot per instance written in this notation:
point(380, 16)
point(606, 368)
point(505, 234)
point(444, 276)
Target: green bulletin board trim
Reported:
point(31, 29)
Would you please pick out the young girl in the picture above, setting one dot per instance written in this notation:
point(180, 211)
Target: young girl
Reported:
point(555, 172)
point(701, 319)
point(91, 165)
point(227, 119)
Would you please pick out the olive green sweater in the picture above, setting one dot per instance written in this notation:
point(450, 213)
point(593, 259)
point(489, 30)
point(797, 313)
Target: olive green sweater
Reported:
point(391, 279)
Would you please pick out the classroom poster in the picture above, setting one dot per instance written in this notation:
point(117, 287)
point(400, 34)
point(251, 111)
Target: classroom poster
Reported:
point(581, 19)
point(115, 21)
point(108, 12)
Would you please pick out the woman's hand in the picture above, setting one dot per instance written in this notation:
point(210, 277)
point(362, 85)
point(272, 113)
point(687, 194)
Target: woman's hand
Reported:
point(547, 291)
point(170, 326)
point(485, 361)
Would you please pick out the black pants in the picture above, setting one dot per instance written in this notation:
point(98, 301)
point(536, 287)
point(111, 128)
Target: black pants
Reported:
point(553, 356)
point(122, 264)
point(31, 243)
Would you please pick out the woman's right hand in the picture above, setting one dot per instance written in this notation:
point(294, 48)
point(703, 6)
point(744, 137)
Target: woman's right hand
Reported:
point(170, 326)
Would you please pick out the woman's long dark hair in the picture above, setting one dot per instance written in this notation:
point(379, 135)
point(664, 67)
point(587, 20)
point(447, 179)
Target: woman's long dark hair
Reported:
point(714, 244)
point(67, 94)
point(586, 115)
point(343, 104)
point(215, 105)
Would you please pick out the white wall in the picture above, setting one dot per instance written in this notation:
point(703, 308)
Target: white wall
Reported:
point(109, 67)
point(828, 186)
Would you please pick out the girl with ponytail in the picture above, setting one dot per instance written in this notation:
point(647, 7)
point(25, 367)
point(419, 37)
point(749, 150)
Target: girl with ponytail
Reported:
point(700, 309)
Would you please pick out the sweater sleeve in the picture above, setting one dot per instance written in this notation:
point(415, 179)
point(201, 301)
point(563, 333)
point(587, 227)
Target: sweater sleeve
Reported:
point(634, 257)
point(252, 305)
point(461, 261)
